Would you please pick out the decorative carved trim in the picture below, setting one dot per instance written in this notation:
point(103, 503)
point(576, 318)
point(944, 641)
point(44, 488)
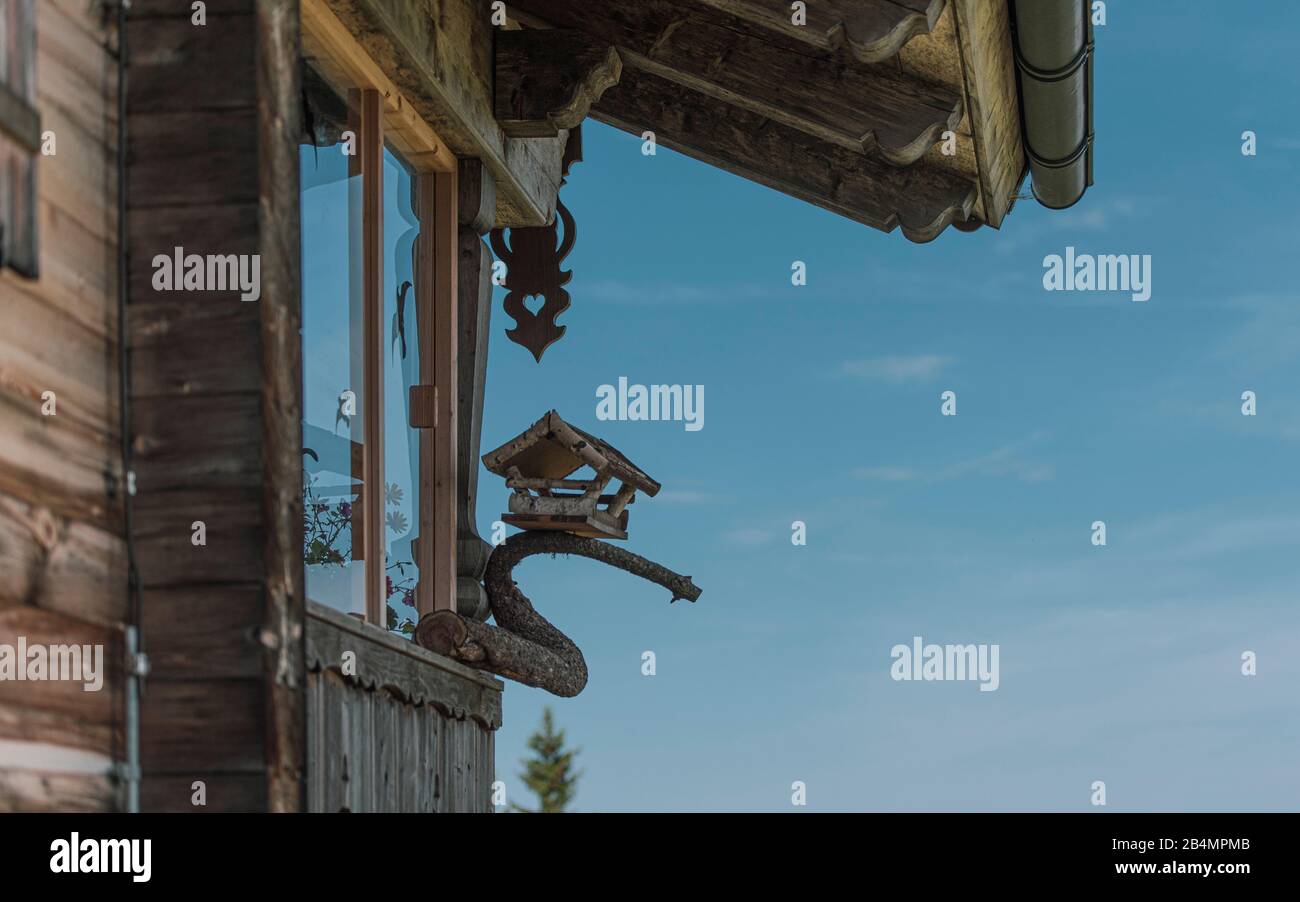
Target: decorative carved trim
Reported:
point(547, 80)
point(920, 200)
point(533, 262)
point(400, 667)
point(878, 109)
point(873, 30)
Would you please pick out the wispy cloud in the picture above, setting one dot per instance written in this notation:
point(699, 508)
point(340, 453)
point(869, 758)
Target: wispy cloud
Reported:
point(1010, 459)
point(1098, 216)
point(1270, 336)
point(648, 294)
point(897, 369)
point(1092, 215)
point(1208, 533)
point(748, 537)
point(888, 474)
point(686, 496)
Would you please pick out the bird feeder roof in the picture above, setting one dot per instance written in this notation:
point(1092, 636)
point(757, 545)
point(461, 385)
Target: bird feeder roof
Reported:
point(553, 449)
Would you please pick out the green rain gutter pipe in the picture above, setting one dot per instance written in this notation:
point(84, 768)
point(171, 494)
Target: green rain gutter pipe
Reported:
point(1054, 45)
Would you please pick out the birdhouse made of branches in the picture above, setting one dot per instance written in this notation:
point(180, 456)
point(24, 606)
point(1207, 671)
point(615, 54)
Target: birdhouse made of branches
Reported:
point(537, 465)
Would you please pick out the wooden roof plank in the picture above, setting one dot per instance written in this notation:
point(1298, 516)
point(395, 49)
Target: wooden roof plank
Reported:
point(874, 109)
point(988, 65)
point(872, 30)
point(553, 449)
point(922, 200)
point(439, 55)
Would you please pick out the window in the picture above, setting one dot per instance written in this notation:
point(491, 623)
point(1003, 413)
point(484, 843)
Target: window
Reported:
point(20, 136)
point(378, 338)
point(333, 356)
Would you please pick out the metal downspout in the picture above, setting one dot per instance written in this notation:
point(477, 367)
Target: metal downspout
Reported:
point(1054, 47)
point(136, 663)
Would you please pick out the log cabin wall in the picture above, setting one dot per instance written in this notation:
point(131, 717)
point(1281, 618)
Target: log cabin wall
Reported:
point(213, 124)
point(62, 578)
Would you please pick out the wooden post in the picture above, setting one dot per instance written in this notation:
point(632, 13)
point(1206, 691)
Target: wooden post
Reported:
point(445, 341)
point(371, 148)
point(621, 499)
point(426, 275)
point(279, 107)
point(476, 213)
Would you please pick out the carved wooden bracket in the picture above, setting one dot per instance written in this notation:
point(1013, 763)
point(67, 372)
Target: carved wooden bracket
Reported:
point(547, 79)
point(533, 262)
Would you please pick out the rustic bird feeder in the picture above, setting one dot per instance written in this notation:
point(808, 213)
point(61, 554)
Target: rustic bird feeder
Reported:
point(537, 464)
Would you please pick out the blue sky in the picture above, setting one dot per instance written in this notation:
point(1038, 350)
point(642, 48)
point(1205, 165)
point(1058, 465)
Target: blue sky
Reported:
point(1120, 663)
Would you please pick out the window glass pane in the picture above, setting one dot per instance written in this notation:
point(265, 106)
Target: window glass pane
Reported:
point(332, 354)
point(401, 371)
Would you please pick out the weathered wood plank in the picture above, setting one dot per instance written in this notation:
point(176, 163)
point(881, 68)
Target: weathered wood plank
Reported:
point(546, 81)
point(439, 55)
point(474, 274)
point(445, 233)
point(174, 65)
point(400, 667)
point(984, 32)
point(62, 711)
point(209, 431)
point(59, 465)
point(371, 505)
point(32, 791)
point(234, 551)
point(173, 353)
point(225, 793)
point(178, 9)
point(206, 229)
point(190, 442)
point(58, 728)
point(49, 351)
point(63, 581)
point(173, 162)
point(76, 93)
point(282, 631)
point(875, 109)
point(872, 30)
point(346, 66)
point(60, 565)
point(78, 276)
point(76, 67)
point(922, 203)
point(210, 725)
point(395, 737)
point(200, 632)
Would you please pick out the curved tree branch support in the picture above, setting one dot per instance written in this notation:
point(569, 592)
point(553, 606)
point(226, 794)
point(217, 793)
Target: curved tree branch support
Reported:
point(524, 646)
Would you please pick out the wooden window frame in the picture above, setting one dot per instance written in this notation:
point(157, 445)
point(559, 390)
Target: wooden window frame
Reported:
point(20, 132)
point(385, 116)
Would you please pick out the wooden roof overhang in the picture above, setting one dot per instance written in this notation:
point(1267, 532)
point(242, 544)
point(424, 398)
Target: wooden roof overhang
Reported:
point(847, 111)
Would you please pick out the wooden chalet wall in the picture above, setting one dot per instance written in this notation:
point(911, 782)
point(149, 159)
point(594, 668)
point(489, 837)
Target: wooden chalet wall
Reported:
point(62, 558)
point(213, 126)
